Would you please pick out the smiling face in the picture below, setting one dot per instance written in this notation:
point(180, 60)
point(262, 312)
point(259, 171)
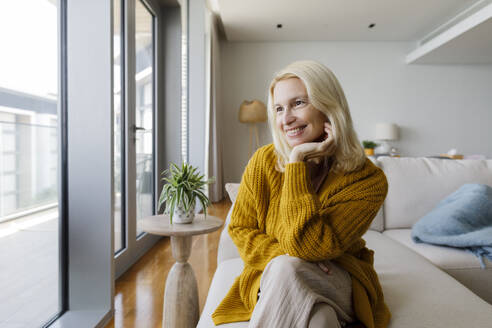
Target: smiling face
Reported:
point(296, 118)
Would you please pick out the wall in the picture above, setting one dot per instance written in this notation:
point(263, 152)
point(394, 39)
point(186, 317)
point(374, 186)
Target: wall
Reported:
point(196, 84)
point(438, 107)
point(170, 115)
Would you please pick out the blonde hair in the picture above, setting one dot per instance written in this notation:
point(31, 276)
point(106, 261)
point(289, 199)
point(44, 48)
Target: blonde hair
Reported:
point(326, 95)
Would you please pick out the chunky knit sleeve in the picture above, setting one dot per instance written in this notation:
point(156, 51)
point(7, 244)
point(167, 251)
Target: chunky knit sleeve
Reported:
point(255, 247)
point(317, 231)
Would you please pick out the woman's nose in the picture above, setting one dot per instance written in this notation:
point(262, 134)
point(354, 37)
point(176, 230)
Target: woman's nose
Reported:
point(288, 118)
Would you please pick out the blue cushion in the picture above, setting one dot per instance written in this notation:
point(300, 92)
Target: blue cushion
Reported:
point(463, 219)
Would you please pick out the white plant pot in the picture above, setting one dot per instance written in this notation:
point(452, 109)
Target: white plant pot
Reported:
point(181, 216)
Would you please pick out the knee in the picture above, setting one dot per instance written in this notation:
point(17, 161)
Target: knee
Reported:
point(285, 265)
point(323, 315)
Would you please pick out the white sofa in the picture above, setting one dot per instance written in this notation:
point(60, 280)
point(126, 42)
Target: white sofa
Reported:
point(424, 285)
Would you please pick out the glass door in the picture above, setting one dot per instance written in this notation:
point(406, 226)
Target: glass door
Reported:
point(134, 121)
point(144, 112)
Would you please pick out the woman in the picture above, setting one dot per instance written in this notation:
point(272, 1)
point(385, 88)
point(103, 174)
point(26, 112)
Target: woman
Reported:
point(303, 205)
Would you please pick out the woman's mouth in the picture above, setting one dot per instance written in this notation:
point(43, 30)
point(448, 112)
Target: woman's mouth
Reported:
point(295, 132)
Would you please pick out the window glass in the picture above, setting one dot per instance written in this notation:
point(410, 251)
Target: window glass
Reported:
point(118, 146)
point(144, 110)
point(29, 156)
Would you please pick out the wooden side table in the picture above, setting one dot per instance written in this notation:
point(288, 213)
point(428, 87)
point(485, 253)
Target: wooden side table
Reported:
point(181, 293)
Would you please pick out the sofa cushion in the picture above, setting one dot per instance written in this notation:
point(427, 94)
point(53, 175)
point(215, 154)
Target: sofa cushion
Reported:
point(224, 277)
point(417, 293)
point(378, 222)
point(232, 190)
point(227, 249)
point(462, 265)
point(417, 185)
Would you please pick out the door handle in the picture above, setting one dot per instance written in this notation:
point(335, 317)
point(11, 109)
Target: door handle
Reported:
point(136, 128)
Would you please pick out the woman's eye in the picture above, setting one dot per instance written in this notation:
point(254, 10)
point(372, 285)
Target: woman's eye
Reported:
point(299, 102)
point(278, 109)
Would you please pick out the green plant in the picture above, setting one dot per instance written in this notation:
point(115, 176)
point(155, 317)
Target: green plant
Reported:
point(184, 185)
point(369, 144)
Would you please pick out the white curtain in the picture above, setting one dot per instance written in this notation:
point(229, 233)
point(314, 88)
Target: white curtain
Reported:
point(213, 160)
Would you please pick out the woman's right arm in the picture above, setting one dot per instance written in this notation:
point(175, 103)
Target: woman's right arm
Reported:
point(255, 246)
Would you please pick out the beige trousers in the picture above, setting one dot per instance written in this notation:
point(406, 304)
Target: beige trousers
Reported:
point(289, 289)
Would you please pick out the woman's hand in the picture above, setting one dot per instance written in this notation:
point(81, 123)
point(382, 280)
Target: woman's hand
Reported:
point(311, 150)
point(324, 266)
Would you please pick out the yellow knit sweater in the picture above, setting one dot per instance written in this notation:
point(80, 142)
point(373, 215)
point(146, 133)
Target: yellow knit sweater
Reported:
point(277, 213)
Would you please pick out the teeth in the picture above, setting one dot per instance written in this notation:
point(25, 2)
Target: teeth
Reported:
point(294, 131)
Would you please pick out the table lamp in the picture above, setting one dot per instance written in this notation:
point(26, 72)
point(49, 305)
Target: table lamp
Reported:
point(252, 112)
point(385, 132)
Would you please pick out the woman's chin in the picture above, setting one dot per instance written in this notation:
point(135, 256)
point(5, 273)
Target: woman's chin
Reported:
point(299, 141)
point(293, 143)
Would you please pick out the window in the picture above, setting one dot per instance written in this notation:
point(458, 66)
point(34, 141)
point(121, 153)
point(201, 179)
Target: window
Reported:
point(144, 111)
point(118, 128)
point(29, 157)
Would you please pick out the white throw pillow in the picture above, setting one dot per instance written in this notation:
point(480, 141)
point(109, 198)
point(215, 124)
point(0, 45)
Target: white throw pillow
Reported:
point(232, 190)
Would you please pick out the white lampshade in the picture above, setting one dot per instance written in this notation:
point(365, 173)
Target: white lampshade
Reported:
point(386, 131)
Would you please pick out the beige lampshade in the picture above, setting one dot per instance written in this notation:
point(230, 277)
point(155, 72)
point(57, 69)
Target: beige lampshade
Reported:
point(386, 131)
point(252, 112)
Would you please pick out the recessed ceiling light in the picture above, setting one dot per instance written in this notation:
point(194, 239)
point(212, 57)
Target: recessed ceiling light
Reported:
point(371, 25)
point(279, 25)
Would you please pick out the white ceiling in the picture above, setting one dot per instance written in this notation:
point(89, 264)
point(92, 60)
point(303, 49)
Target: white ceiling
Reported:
point(474, 47)
point(335, 20)
point(469, 41)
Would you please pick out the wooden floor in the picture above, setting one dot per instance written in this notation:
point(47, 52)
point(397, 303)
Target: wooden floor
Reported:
point(139, 291)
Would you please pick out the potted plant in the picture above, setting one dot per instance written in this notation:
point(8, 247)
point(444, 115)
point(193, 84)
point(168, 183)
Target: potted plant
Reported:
point(369, 147)
point(184, 186)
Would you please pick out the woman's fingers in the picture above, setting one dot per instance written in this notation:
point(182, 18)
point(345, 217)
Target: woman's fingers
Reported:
point(328, 131)
point(311, 150)
point(323, 266)
point(325, 148)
